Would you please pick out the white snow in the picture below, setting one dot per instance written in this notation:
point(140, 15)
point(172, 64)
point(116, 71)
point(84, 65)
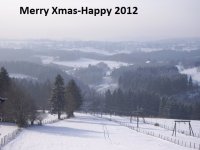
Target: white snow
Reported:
point(6, 128)
point(83, 62)
point(22, 76)
point(164, 132)
point(107, 84)
point(99, 51)
point(47, 59)
point(91, 50)
point(86, 132)
point(144, 49)
point(180, 126)
point(193, 72)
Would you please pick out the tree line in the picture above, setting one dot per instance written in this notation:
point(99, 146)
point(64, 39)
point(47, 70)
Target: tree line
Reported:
point(22, 106)
point(157, 91)
point(150, 104)
point(66, 99)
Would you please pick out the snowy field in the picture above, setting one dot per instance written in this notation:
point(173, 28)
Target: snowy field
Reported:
point(21, 76)
point(9, 131)
point(6, 128)
point(86, 132)
point(180, 126)
point(80, 63)
point(165, 129)
point(193, 72)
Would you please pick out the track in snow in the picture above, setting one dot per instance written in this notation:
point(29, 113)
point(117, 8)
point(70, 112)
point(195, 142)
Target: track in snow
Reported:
point(86, 132)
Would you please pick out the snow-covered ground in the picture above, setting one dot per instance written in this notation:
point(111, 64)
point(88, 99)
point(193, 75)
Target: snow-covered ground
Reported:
point(193, 72)
point(6, 128)
point(9, 128)
point(86, 132)
point(21, 76)
point(107, 84)
point(94, 50)
point(83, 62)
point(149, 127)
point(180, 126)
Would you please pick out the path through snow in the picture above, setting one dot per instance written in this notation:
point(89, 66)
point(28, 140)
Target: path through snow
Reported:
point(86, 132)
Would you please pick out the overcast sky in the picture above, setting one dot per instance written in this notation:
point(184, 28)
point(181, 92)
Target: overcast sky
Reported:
point(157, 19)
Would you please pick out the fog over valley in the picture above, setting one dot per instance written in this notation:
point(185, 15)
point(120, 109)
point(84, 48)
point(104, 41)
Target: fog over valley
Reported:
point(80, 58)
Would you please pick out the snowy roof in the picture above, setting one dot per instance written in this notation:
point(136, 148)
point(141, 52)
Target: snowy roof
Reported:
point(2, 99)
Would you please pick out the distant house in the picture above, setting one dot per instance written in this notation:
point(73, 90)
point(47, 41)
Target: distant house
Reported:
point(2, 99)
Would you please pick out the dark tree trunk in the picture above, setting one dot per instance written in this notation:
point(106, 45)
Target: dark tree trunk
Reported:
point(70, 115)
point(32, 122)
point(59, 114)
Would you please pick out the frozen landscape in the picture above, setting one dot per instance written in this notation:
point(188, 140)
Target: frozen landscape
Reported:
point(87, 132)
point(6, 128)
point(97, 67)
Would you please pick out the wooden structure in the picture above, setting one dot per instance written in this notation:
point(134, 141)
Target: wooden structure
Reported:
point(182, 121)
point(138, 113)
point(2, 99)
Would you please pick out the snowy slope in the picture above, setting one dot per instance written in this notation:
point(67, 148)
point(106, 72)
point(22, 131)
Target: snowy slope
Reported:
point(180, 126)
point(86, 132)
point(193, 72)
point(6, 128)
point(9, 128)
point(83, 62)
point(148, 126)
point(21, 76)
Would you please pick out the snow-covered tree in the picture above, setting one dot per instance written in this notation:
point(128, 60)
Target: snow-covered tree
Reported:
point(190, 83)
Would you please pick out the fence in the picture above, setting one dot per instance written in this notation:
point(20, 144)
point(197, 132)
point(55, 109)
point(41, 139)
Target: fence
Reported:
point(151, 133)
point(49, 121)
point(171, 128)
point(7, 138)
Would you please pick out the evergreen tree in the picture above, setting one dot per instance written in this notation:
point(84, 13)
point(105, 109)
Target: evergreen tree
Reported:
point(164, 107)
point(190, 83)
point(57, 101)
point(108, 101)
point(73, 98)
point(4, 81)
point(196, 111)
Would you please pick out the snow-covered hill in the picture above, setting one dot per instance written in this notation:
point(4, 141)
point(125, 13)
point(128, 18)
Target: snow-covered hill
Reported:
point(86, 132)
point(6, 128)
point(194, 72)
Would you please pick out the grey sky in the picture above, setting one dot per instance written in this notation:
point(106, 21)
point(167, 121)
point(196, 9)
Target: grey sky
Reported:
point(157, 19)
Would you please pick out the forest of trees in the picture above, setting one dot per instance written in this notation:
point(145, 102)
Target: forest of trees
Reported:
point(66, 99)
point(151, 105)
point(155, 90)
point(24, 98)
point(93, 74)
point(18, 106)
